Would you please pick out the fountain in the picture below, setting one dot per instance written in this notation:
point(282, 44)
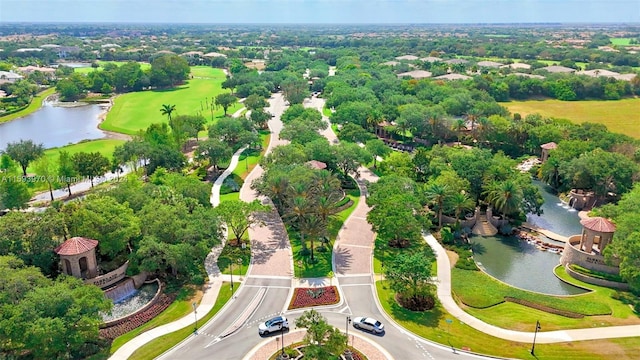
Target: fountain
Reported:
point(135, 301)
point(121, 290)
point(558, 216)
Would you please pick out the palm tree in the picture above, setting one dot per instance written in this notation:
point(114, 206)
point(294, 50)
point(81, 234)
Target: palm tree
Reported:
point(167, 109)
point(459, 124)
point(460, 202)
point(506, 197)
point(437, 195)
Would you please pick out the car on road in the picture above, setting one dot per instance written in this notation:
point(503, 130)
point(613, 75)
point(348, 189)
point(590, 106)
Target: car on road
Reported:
point(369, 324)
point(278, 323)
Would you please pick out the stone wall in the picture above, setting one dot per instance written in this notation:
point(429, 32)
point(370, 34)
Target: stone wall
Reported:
point(109, 278)
point(495, 221)
point(573, 255)
point(596, 281)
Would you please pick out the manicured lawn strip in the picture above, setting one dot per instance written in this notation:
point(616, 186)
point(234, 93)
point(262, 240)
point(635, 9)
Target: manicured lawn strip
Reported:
point(135, 111)
point(620, 41)
point(432, 325)
point(249, 159)
point(104, 147)
point(158, 346)
point(35, 104)
point(231, 254)
point(326, 112)
point(85, 70)
point(478, 290)
point(178, 309)
point(230, 196)
point(301, 268)
point(617, 115)
point(382, 251)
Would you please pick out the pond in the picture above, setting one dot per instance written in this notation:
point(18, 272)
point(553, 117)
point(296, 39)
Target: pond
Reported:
point(55, 126)
point(557, 216)
point(521, 264)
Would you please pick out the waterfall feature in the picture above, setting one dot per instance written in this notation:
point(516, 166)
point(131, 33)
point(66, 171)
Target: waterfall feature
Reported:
point(121, 291)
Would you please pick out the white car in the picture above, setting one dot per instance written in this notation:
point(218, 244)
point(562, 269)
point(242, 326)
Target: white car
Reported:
point(278, 323)
point(369, 324)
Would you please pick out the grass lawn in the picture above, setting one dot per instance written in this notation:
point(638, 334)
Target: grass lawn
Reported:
point(85, 70)
point(433, 326)
point(231, 254)
point(485, 295)
point(323, 266)
point(178, 309)
point(249, 159)
point(619, 116)
point(383, 251)
point(158, 346)
point(620, 41)
point(326, 112)
point(135, 111)
point(104, 147)
point(35, 104)
point(230, 196)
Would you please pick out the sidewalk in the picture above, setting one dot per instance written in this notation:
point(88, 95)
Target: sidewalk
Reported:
point(543, 337)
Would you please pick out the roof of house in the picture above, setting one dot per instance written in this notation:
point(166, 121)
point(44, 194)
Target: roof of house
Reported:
point(489, 64)
point(549, 146)
point(416, 74)
point(214, 54)
point(598, 73)
point(598, 224)
point(453, 77)
point(625, 77)
point(9, 75)
point(192, 53)
point(407, 57)
point(558, 69)
point(31, 68)
point(317, 164)
point(456, 61)
point(517, 66)
point(431, 59)
point(76, 246)
point(390, 63)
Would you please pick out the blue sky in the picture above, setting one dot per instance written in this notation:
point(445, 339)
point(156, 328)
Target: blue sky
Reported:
point(321, 11)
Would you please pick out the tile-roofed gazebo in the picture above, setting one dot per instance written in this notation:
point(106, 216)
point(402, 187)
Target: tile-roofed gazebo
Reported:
point(78, 257)
point(545, 150)
point(76, 246)
point(598, 224)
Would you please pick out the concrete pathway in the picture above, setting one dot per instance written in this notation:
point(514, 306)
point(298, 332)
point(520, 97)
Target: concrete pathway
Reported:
point(215, 190)
point(543, 337)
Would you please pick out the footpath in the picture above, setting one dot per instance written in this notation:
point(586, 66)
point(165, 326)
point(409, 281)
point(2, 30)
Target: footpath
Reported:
point(542, 337)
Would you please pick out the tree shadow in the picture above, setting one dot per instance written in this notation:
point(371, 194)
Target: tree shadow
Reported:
point(478, 248)
point(342, 258)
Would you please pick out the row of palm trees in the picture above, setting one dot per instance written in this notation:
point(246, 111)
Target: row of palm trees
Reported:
point(306, 199)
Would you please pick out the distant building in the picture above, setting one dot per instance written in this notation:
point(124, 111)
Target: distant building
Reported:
point(391, 63)
point(407, 57)
point(522, 66)
point(490, 64)
point(416, 74)
point(546, 148)
point(558, 69)
point(430, 59)
point(456, 61)
point(9, 77)
point(598, 73)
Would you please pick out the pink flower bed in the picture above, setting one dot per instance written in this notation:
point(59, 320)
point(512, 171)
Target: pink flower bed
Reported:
point(308, 297)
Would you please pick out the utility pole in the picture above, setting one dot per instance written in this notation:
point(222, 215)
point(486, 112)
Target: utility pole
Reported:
point(195, 315)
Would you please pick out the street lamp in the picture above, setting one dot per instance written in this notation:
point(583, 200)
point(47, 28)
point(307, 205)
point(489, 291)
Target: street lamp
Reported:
point(449, 322)
point(348, 321)
point(195, 315)
point(282, 354)
point(533, 347)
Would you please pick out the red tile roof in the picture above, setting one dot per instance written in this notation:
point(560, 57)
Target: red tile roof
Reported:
point(598, 224)
point(549, 146)
point(317, 164)
point(76, 246)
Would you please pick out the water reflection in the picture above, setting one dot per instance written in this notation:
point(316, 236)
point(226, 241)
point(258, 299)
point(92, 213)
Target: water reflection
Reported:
point(54, 126)
point(520, 264)
point(557, 216)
